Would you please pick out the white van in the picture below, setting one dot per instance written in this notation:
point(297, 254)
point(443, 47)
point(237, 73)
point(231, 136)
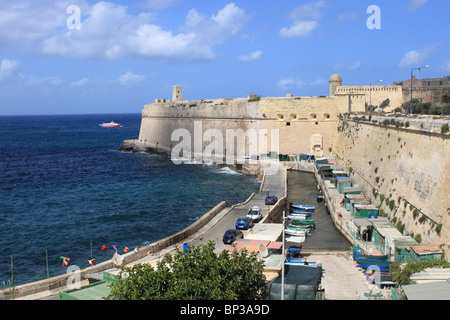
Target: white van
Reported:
point(254, 213)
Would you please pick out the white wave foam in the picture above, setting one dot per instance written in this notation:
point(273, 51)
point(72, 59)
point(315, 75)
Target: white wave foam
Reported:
point(227, 170)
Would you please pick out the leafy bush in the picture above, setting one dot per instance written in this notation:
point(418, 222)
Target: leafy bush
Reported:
point(445, 128)
point(195, 274)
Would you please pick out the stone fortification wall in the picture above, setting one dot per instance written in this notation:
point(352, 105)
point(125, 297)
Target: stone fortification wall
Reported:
point(305, 125)
point(365, 95)
point(161, 120)
point(426, 94)
point(405, 170)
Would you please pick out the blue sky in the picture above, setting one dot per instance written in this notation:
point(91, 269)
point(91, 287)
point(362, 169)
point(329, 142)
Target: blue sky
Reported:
point(125, 54)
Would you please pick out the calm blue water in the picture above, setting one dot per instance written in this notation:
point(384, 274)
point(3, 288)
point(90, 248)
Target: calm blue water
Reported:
point(65, 185)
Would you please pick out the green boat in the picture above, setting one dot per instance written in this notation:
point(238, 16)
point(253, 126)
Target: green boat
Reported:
point(306, 222)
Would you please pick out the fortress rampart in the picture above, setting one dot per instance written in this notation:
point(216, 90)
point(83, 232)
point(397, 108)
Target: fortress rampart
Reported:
point(406, 170)
point(404, 167)
point(306, 125)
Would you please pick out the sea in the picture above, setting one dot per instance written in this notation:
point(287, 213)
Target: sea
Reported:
point(67, 191)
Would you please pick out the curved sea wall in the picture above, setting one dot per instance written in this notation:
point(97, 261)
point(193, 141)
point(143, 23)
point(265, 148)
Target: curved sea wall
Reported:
point(404, 168)
point(62, 281)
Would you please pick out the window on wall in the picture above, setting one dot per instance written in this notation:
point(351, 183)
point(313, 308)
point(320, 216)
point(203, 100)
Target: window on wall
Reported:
point(313, 116)
point(326, 116)
point(280, 116)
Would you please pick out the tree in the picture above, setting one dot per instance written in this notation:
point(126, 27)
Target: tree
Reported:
point(195, 274)
point(385, 103)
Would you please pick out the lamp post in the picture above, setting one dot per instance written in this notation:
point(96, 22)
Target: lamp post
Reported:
point(370, 106)
point(412, 71)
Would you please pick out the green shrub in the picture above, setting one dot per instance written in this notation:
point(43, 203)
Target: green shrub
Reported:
point(445, 128)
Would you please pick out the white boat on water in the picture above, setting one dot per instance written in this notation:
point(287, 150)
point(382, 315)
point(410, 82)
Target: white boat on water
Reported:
point(299, 217)
point(111, 124)
point(296, 231)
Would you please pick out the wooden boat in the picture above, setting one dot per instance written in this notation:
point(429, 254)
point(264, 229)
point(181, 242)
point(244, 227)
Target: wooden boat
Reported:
point(374, 264)
point(357, 256)
point(293, 258)
point(299, 217)
point(298, 261)
point(303, 222)
point(308, 213)
point(302, 207)
point(296, 231)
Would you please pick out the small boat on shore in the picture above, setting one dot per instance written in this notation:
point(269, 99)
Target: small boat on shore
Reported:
point(302, 207)
point(357, 256)
point(293, 258)
point(111, 124)
point(374, 264)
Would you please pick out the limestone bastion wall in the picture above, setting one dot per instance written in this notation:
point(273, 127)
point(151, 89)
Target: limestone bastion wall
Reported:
point(305, 125)
point(405, 169)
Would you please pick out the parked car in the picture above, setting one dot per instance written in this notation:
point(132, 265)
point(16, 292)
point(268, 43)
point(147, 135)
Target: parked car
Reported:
point(271, 200)
point(231, 235)
point(244, 223)
point(254, 213)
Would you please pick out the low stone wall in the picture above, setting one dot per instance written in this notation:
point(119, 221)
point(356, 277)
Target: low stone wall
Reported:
point(62, 281)
point(275, 215)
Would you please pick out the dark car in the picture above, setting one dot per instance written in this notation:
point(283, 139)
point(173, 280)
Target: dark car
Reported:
point(231, 235)
point(244, 223)
point(271, 200)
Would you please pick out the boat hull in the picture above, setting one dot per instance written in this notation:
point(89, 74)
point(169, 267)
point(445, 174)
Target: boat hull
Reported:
point(370, 257)
point(302, 207)
point(374, 264)
point(297, 233)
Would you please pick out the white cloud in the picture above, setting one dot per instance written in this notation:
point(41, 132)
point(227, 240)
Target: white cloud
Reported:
point(299, 30)
point(445, 67)
point(253, 56)
point(357, 65)
point(347, 16)
point(415, 5)
point(291, 83)
point(110, 32)
point(80, 83)
point(319, 82)
point(130, 77)
point(23, 23)
point(309, 11)
point(415, 57)
point(8, 69)
point(305, 19)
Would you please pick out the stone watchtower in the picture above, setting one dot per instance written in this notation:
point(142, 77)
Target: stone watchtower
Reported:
point(177, 93)
point(335, 81)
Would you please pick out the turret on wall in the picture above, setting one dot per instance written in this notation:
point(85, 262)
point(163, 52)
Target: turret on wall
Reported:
point(335, 81)
point(177, 93)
